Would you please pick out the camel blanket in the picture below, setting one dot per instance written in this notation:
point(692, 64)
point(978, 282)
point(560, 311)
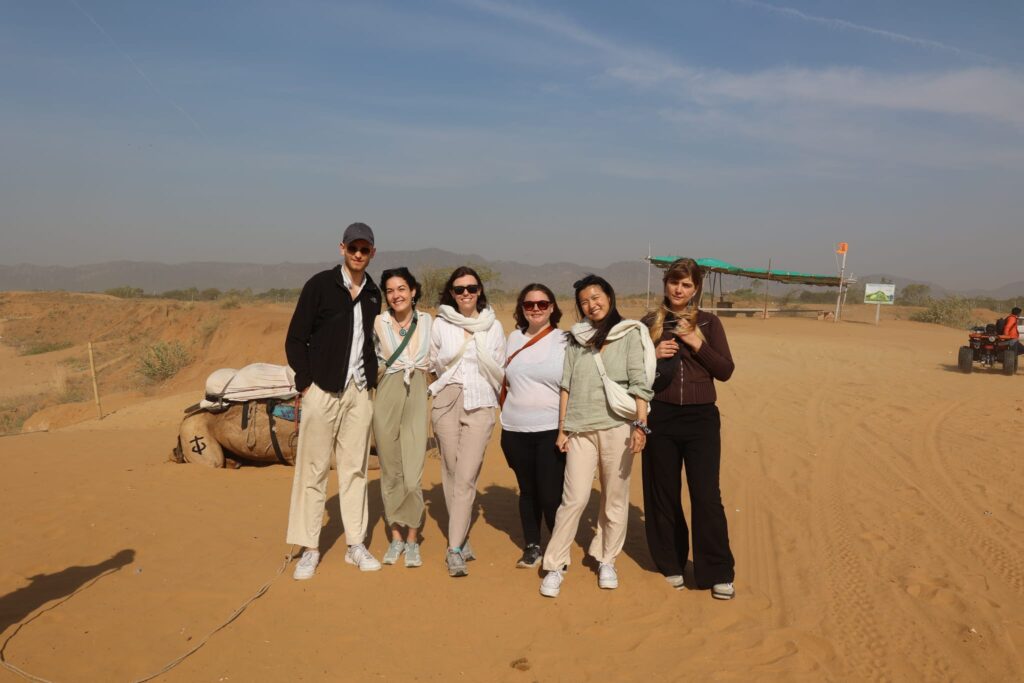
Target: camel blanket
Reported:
point(255, 381)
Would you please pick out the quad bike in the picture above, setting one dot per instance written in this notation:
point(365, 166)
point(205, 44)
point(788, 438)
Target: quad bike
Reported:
point(987, 347)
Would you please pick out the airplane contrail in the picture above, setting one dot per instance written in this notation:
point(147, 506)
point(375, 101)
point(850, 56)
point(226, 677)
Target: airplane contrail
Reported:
point(851, 26)
point(138, 69)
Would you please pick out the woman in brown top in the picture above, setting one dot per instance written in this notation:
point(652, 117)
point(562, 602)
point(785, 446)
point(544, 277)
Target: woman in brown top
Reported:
point(685, 432)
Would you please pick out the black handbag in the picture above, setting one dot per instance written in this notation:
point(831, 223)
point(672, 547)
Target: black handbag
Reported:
point(667, 369)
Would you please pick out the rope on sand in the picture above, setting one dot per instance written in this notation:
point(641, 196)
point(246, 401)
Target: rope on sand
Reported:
point(170, 665)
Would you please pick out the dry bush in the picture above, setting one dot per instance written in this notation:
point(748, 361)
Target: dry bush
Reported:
point(952, 311)
point(163, 360)
point(37, 348)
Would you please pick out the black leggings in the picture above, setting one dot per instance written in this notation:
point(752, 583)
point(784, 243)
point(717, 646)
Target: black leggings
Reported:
point(540, 472)
point(686, 436)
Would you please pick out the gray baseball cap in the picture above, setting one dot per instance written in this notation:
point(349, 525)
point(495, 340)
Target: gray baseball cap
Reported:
point(357, 231)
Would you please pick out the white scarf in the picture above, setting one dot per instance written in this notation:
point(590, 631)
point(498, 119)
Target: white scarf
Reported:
point(478, 327)
point(618, 398)
point(413, 357)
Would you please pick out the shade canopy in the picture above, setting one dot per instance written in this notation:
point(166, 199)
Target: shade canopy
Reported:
point(711, 265)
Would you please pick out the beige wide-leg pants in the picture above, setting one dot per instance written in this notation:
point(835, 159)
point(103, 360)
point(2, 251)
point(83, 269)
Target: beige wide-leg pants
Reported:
point(462, 437)
point(400, 432)
point(608, 452)
point(334, 426)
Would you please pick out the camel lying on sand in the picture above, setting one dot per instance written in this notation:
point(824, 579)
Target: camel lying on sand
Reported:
point(247, 432)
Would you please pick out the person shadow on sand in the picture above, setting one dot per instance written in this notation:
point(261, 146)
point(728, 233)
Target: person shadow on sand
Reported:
point(46, 588)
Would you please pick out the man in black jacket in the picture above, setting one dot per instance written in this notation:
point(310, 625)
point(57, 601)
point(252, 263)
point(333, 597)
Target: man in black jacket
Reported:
point(330, 347)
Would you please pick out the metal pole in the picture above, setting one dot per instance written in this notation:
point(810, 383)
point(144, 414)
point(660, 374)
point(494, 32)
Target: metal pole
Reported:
point(839, 298)
point(648, 305)
point(767, 282)
point(95, 386)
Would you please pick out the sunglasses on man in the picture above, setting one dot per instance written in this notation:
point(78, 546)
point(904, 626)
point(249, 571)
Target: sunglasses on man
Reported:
point(536, 305)
point(462, 289)
point(353, 249)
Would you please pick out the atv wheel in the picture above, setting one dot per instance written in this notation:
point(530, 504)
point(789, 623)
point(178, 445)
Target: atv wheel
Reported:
point(965, 361)
point(1009, 362)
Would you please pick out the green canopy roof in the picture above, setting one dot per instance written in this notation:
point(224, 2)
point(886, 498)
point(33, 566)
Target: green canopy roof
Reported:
point(711, 265)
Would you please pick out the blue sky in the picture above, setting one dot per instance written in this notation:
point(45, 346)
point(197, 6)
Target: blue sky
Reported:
point(581, 131)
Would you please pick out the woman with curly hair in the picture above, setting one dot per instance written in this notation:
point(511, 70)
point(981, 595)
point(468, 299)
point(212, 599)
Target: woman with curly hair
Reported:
point(401, 335)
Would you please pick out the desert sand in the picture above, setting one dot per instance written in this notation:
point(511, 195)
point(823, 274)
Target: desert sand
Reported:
point(872, 492)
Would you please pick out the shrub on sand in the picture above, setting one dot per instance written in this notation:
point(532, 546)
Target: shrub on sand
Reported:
point(952, 311)
point(162, 360)
point(45, 347)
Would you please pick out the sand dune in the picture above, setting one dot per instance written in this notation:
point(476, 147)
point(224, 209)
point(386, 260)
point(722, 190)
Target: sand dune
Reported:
point(872, 494)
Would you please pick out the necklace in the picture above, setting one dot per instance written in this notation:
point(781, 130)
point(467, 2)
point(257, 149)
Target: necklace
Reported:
point(404, 329)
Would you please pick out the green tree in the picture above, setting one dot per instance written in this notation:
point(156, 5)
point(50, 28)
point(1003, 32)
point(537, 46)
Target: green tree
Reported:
point(915, 295)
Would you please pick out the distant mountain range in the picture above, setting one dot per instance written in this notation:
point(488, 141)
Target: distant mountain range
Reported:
point(628, 277)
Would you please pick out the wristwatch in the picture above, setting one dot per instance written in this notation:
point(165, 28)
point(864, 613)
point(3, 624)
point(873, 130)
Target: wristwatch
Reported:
point(642, 426)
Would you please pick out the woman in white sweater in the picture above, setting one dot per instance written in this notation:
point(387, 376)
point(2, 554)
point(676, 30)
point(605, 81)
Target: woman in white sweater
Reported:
point(467, 352)
point(529, 413)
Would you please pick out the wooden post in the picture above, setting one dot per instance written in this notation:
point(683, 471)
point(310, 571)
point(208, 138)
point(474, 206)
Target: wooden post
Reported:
point(95, 386)
point(878, 312)
point(764, 315)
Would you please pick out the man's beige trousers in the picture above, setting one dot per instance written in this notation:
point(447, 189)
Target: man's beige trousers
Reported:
point(333, 427)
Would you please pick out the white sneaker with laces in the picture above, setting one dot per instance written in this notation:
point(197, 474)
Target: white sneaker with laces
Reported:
point(306, 567)
point(361, 557)
point(606, 577)
point(723, 591)
point(551, 584)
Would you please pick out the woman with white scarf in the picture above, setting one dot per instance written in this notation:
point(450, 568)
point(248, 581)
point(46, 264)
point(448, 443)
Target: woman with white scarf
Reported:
point(467, 353)
point(401, 335)
point(602, 422)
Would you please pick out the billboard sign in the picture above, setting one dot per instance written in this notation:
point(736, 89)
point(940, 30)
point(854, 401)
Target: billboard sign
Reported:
point(879, 293)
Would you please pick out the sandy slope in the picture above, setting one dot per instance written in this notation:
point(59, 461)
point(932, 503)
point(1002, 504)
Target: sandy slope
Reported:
point(873, 503)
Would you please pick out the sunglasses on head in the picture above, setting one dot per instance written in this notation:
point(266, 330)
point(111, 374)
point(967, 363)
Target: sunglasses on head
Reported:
point(352, 249)
point(462, 289)
point(536, 305)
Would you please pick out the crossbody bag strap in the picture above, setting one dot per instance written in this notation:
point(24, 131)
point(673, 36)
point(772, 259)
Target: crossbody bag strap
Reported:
point(504, 382)
point(405, 342)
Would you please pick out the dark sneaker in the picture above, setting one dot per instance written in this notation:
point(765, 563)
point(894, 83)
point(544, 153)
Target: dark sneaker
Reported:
point(531, 557)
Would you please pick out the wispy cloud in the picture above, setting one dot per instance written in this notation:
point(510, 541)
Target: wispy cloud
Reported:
point(983, 92)
point(843, 25)
point(138, 69)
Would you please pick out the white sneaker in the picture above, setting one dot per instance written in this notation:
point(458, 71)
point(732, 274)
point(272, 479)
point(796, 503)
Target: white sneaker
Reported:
point(361, 557)
point(676, 581)
point(551, 584)
point(306, 567)
point(723, 591)
point(606, 577)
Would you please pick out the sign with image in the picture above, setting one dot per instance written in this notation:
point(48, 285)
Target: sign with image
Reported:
point(879, 294)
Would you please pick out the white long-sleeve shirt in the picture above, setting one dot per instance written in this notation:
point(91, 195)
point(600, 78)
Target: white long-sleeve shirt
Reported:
point(446, 340)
